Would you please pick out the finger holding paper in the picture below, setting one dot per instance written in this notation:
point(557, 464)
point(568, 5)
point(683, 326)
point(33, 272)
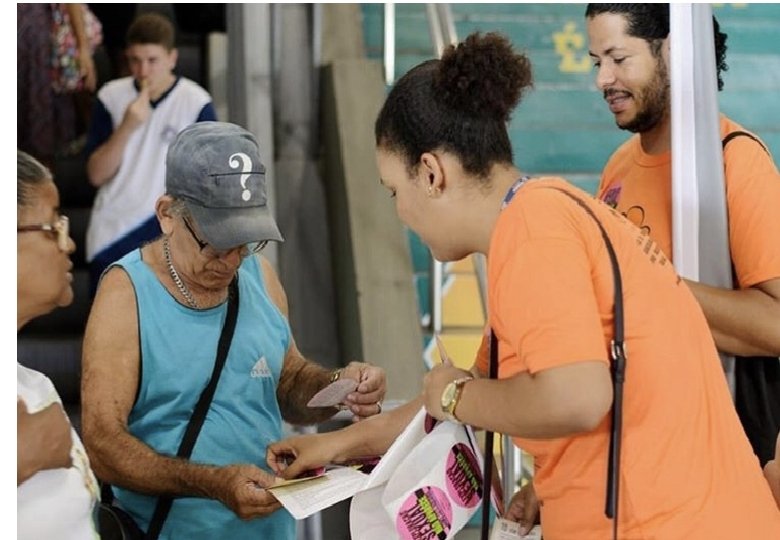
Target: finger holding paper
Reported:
point(524, 508)
point(242, 489)
point(292, 457)
point(367, 398)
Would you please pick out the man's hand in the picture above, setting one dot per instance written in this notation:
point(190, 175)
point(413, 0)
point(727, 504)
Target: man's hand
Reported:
point(43, 440)
point(524, 508)
point(366, 400)
point(242, 489)
point(140, 108)
point(293, 456)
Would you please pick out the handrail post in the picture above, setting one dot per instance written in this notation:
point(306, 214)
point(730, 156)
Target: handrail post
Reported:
point(389, 49)
point(434, 25)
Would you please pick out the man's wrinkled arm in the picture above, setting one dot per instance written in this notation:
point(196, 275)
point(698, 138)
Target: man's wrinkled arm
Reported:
point(300, 380)
point(110, 367)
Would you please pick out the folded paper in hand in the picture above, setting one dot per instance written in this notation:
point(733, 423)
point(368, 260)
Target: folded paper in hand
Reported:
point(427, 485)
point(333, 394)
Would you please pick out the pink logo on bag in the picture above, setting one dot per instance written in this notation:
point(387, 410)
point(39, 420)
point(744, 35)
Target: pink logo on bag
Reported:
point(425, 515)
point(464, 479)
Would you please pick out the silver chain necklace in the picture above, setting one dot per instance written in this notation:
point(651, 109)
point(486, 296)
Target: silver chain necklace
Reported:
point(185, 292)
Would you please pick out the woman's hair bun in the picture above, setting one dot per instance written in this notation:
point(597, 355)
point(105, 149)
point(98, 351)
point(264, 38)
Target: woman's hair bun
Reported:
point(483, 76)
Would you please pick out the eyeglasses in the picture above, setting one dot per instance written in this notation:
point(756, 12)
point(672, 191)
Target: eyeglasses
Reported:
point(61, 227)
point(207, 250)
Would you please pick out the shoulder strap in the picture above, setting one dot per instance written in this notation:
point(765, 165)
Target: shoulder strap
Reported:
point(487, 469)
point(618, 365)
point(735, 134)
point(618, 369)
point(164, 504)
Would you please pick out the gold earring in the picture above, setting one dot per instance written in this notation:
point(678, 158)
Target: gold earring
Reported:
point(430, 191)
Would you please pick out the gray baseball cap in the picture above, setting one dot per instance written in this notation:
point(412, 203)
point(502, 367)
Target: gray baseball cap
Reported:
point(215, 168)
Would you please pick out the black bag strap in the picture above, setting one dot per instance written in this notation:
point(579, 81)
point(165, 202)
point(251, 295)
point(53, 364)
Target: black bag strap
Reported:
point(618, 369)
point(164, 503)
point(618, 365)
point(757, 399)
point(735, 134)
point(487, 470)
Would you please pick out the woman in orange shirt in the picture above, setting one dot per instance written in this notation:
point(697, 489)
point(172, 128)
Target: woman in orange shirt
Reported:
point(444, 155)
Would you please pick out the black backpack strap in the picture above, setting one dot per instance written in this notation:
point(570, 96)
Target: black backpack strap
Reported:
point(734, 134)
point(757, 378)
point(164, 503)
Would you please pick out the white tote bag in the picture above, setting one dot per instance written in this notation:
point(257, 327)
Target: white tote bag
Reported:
point(426, 487)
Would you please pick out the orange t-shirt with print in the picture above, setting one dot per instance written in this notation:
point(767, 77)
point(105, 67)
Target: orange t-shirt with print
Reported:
point(639, 185)
point(687, 469)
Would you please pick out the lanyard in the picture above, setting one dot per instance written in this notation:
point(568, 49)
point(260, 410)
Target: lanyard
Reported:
point(513, 189)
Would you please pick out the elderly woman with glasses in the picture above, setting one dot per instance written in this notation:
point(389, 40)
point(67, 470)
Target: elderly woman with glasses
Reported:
point(53, 474)
point(151, 347)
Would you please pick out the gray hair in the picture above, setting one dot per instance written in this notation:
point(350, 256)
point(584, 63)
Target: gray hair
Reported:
point(30, 173)
point(178, 208)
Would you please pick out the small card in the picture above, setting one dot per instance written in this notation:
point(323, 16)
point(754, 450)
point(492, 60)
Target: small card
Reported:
point(334, 393)
point(503, 529)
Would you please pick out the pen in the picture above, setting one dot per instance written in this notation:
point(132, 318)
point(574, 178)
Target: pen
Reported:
point(445, 358)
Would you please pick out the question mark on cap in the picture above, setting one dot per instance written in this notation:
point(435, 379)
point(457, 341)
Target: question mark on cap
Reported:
point(246, 168)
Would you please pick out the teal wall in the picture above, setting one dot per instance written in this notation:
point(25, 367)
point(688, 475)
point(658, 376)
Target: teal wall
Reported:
point(563, 126)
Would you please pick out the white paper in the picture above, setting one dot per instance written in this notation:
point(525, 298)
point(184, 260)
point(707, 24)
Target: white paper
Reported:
point(305, 498)
point(509, 530)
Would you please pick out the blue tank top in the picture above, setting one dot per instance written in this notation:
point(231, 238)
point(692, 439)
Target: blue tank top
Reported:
point(178, 348)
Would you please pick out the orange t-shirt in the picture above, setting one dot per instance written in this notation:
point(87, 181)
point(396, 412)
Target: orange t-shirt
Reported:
point(687, 469)
point(639, 185)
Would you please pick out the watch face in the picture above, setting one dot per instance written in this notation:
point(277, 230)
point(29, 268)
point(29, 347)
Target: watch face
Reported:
point(448, 396)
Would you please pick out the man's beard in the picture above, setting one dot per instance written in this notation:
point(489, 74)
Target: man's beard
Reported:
point(654, 100)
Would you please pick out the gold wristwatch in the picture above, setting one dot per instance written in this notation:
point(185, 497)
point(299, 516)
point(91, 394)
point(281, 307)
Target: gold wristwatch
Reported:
point(450, 397)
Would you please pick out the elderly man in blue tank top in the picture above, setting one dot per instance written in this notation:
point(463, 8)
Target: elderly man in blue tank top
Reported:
point(151, 343)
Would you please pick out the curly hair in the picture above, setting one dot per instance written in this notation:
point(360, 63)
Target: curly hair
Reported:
point(461, 104)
